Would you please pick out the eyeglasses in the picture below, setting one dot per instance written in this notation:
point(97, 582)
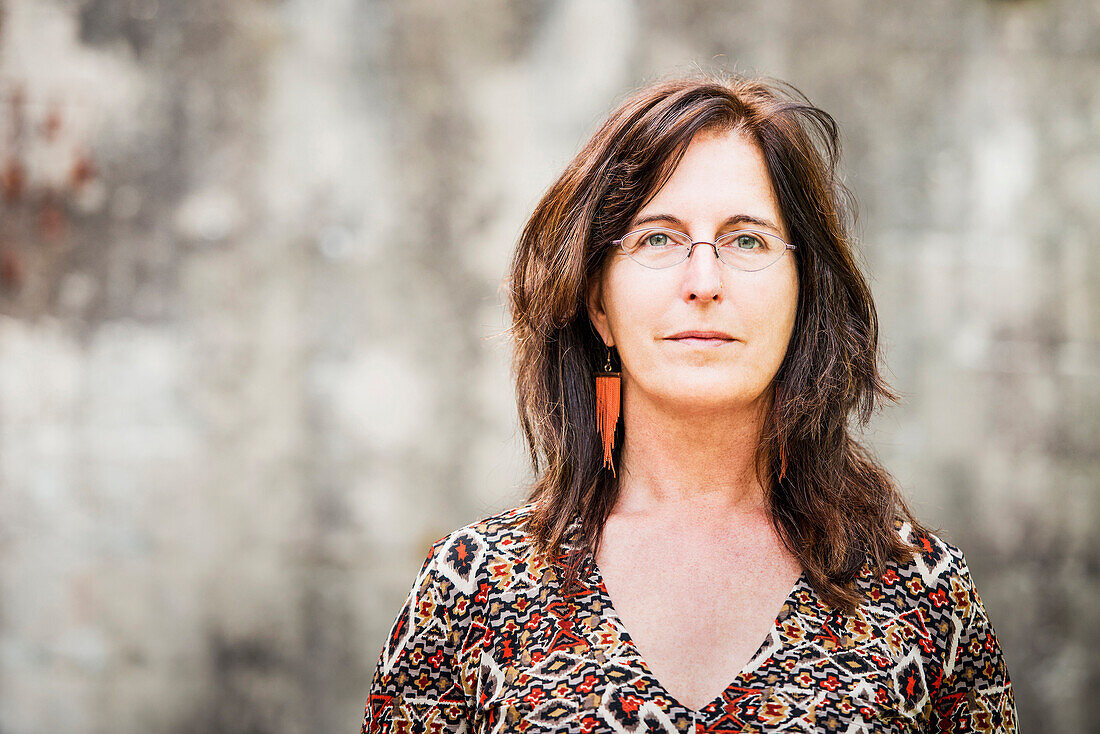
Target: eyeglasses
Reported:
point(745, 249)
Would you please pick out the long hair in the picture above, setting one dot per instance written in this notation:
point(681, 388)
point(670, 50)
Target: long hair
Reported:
point(833, 505)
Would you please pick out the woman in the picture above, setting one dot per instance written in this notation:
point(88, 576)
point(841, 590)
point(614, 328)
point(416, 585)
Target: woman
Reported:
point(719, 554)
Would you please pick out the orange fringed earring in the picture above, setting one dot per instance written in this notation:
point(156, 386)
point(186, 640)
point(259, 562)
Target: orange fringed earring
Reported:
point(607, 409)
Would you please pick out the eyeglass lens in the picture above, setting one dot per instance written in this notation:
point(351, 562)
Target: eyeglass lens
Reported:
point(744, 249)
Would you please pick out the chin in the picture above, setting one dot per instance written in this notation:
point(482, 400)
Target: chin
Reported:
point(708, 399)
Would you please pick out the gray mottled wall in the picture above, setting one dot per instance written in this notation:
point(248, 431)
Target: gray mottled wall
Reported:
point(249, 260)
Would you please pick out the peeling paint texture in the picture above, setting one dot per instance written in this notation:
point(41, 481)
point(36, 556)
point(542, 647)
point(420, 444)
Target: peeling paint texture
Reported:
point(249, 264)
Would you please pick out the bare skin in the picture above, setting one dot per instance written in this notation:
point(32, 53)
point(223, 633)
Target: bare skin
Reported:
point(689, 555)
point(698, 596)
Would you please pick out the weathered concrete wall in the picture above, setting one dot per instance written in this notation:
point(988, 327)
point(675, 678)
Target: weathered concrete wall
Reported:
point(249, 258)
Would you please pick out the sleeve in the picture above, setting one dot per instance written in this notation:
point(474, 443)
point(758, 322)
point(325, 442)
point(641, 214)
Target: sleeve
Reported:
point(975, 693)
point(417, 684)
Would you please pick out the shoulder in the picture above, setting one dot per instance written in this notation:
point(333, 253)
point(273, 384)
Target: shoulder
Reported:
point(969, 680)
point(464, 560)
point(931, 598)
point(935, 578)
point(505, 531)
point(505, 528)
point(439, 629)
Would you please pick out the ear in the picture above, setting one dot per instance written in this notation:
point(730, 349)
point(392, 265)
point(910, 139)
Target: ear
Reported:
point(596, 313)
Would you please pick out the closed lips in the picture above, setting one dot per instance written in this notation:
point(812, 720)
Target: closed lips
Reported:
point(701, 335)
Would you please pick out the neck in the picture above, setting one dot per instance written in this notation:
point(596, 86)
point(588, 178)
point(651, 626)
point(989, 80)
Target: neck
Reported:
point(691, 464)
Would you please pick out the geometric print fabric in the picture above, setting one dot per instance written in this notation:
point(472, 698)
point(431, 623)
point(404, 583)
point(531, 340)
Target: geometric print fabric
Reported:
point(486, 642)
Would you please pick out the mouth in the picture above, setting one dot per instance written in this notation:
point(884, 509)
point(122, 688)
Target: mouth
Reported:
point(697, 341)
point(702, 338)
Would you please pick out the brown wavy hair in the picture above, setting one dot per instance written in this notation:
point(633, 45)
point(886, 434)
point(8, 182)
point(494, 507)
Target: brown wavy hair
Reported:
point(833, 505)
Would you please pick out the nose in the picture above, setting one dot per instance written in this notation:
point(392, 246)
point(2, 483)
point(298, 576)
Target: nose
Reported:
point(702, 274)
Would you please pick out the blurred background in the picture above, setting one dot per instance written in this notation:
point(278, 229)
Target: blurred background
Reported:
point(250, 254)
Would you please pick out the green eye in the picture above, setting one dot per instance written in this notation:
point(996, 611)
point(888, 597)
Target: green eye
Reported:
point(747, 242)
point(657, 239)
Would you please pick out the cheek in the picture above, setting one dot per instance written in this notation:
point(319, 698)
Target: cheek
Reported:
point(772, 311)
point(786, 313)
point(629, 304)
point(791, 301)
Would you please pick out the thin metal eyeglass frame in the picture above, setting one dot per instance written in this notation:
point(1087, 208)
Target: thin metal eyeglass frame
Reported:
point(714, 246)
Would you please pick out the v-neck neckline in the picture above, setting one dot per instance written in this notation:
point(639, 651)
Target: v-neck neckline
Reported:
point(597, 581)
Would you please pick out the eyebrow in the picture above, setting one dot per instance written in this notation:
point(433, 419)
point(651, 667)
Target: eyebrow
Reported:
point(735, 219)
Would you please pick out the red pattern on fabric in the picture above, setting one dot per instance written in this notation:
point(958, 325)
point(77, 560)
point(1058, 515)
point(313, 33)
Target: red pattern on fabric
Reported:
point(487, 643)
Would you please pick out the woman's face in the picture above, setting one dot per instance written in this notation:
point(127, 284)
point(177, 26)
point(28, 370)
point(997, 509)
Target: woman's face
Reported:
point(638, 309)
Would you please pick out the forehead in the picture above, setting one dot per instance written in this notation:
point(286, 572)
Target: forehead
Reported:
point(721, 174)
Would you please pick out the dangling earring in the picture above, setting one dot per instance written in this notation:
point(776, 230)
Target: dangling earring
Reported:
point(607, 409)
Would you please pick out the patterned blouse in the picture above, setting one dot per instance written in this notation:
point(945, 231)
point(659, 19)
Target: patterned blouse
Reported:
point(486, 642)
